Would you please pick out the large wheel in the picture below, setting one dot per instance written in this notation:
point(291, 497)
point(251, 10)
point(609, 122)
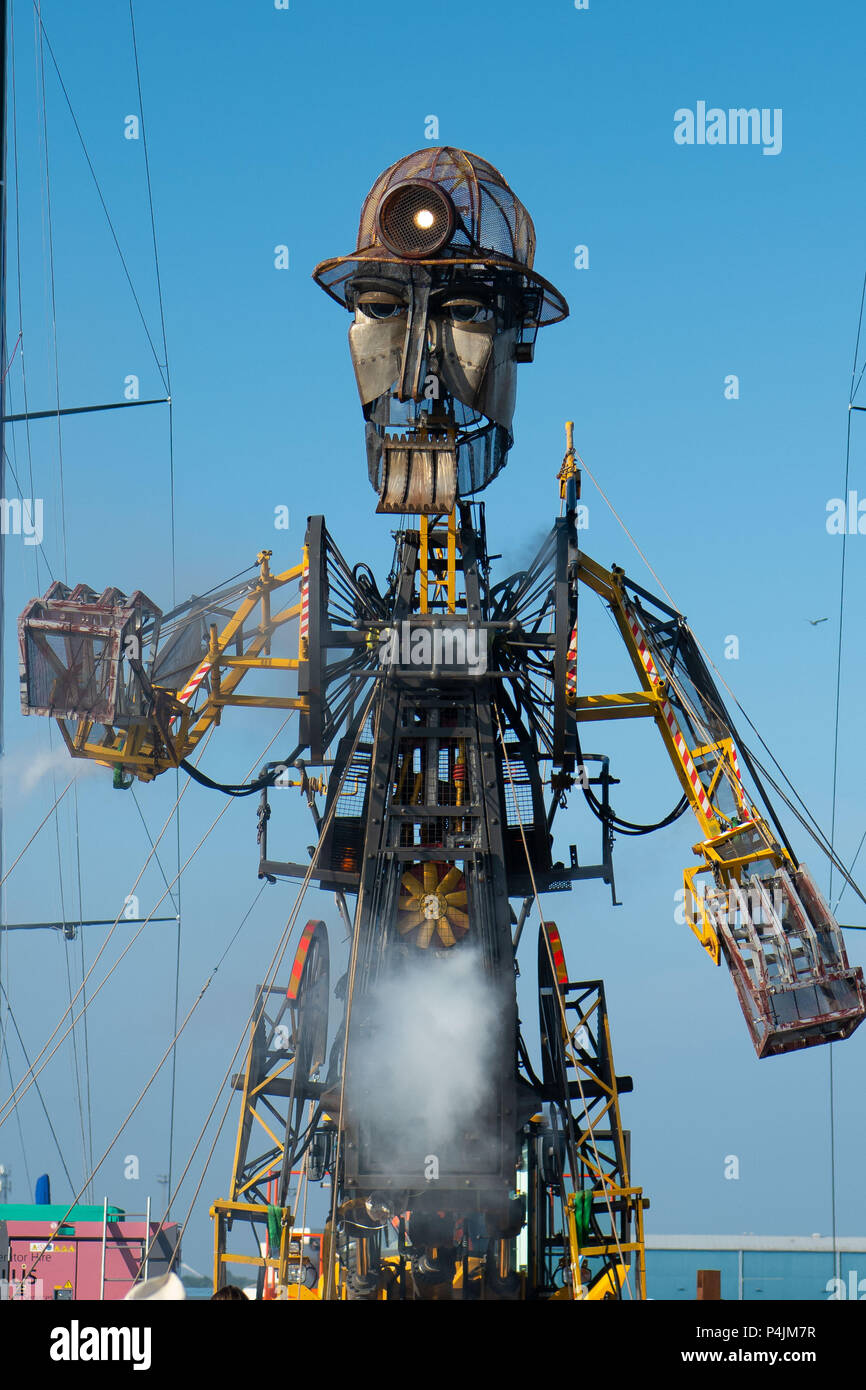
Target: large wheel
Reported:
point(308, 1001)
point(306, 1019)
point(552, 977)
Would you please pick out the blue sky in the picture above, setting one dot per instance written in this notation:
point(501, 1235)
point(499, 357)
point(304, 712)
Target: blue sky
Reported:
point(267, 127)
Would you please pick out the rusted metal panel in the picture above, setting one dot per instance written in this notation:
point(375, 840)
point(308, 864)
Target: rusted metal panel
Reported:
point(72, 645)
point(788, 961)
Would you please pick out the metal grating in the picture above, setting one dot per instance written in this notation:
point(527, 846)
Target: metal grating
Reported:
point(518, 789)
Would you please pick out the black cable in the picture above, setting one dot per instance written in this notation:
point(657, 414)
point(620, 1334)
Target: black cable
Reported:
point(608, 816)
point(126, 271)
point(853, 862)
point(856, 388)
point(241, 788)
point(711, 700)
point(825, 848)
point(306, 1138)
point(842, 602)
point(219, 589)
point(624, 827)
point(755, 767)
point(38, 1090)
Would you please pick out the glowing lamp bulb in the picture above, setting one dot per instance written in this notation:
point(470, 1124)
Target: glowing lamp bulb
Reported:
point(425, 218)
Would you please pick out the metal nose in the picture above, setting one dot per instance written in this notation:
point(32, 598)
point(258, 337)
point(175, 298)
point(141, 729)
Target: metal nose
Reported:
point(415, 345)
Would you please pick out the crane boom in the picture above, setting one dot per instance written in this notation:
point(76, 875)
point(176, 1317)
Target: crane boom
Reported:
point(748, 899)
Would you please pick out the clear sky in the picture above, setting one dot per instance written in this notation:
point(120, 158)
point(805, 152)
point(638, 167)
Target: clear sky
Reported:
point(266, 127)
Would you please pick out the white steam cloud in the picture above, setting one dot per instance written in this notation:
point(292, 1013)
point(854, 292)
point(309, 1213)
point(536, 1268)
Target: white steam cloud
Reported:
point(24, 770)
point(423, 1067)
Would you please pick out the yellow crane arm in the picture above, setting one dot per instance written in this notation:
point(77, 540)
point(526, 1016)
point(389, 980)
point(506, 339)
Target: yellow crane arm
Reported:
point(698, 742)
point(747, 899)
point(141, 739)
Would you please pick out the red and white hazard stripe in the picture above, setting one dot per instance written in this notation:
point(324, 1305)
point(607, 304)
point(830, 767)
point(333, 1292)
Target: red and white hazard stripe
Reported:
point(192, 685)
point(670, 719)
point(305, 602)
point(194, 681)
point(740, 789)
point(571, 668)
point(686, 760)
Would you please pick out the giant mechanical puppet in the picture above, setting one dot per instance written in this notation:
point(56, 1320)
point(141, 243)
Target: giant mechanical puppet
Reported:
point(442, 725)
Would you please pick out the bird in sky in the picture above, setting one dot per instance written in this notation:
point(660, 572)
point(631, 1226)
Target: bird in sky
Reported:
point(816, 621)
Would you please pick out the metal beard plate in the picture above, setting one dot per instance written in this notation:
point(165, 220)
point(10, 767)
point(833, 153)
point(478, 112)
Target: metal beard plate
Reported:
point(417, 477)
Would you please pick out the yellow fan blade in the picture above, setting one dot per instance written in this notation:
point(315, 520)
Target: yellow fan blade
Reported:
point(425, 935)
point(456, 899)
point(429, 876)
point(458, 918)
point(412, 884)
point(451, 880)
point(410, 920)
point(446, 935)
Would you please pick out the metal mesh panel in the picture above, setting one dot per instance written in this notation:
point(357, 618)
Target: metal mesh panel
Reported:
point(415, 220)
point(72, 648)
point(351, 800)
point(692, 694)
point(493, 217)
point(69, 671)
point(480, 459)
point(347, 834)
point(745, 842)
point(353, 792)
point(432, 772)
point(181, 653)
point(518, 790)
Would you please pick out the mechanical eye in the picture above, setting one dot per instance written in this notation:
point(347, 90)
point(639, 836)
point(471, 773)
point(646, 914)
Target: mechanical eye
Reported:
point(467, 311)
point(380, 306)
point(415, 218)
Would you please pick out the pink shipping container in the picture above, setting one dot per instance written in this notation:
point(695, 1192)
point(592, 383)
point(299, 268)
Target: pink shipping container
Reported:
point(85, 1257)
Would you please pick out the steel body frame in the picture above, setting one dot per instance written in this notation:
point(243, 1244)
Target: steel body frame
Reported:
point(530, 688)
point(401, 699)
point(280, 1099)
point(583, 1159)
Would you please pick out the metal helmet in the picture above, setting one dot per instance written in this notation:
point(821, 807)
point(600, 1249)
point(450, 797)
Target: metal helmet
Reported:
point(446, 304)
point(445, 206)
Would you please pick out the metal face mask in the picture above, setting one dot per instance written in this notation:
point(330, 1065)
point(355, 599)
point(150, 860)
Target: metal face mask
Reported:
point(434, 353)
point(445, 305)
